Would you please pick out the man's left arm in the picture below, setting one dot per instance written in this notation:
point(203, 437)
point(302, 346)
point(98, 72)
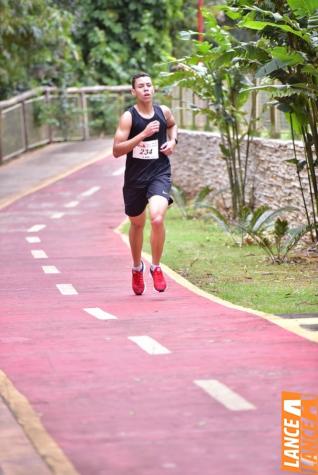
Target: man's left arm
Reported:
point(168, 147)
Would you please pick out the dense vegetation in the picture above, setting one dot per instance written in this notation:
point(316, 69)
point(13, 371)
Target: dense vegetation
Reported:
point(73, 42)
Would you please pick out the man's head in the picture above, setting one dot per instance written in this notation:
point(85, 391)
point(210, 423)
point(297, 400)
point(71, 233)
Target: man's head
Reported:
point(137, 76)
point(142, 87)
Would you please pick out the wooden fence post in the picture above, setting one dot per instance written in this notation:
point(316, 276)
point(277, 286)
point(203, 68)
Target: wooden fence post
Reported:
point(193, 113)
point(85, 115)
point(48, 102)
point(274, 132)
point(24, 126)
point(181, 107)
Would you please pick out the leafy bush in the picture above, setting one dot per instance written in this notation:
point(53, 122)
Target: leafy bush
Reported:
point(104, 111)
point(265, 228)
point(190, 207)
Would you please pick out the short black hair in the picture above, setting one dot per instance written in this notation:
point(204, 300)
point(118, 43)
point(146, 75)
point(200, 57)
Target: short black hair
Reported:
point(136, 76)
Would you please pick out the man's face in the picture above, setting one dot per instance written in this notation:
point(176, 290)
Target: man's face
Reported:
point(143, 89)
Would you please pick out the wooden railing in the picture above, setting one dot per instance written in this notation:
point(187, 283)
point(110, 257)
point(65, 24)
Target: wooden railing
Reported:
point(47, 114)
point(32, 118)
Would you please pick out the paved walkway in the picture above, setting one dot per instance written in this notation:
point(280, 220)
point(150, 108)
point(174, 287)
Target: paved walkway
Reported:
point(104, 382)
point(42, 167)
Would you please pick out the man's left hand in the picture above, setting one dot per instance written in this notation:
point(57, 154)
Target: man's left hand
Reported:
point(168, 147)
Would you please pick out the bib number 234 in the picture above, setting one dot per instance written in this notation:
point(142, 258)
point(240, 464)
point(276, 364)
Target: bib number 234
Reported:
point(148, 150)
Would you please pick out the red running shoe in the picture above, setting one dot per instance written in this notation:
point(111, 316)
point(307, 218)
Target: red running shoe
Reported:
point(138, 284)
point(159, 282)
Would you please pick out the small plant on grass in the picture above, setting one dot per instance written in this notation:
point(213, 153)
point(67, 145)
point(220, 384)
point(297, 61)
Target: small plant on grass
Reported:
point(280, 240)
point(265, 228)
point(190, 207)
point(248, 222)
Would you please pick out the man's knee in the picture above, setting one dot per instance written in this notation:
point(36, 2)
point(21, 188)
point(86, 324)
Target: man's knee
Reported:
point(157, 220)
point(138, 222)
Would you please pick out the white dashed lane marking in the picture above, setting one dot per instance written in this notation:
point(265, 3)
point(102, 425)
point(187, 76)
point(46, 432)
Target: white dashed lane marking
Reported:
point(50, 270)
point(32, 239)
point(36, 228)
point(71, 204)
point(100, 314)
point(39, 254)
point(224, 395)
point(57, 215)
point(91, 191)
point(66, 289)
point(149, 345)
point(118, 172)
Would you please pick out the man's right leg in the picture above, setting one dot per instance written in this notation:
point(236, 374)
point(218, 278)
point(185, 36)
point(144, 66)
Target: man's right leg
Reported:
point(136, 231)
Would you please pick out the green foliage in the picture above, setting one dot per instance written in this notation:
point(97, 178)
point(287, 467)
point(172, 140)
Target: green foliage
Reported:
point(287, 66)
point(265, 228)
point(247, 223)
point(186, 20)
point(35, 46)
point(234, 229)
point(303, 8)
point(280, 240)
point(72, 42)
point(191, 207)
point(62, 113)
point(118, 38)
point(213, 73)
point(104, 111)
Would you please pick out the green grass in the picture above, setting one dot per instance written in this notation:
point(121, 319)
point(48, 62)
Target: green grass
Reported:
point(204, 255)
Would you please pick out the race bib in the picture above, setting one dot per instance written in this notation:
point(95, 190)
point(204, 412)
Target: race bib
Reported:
point(148, 150)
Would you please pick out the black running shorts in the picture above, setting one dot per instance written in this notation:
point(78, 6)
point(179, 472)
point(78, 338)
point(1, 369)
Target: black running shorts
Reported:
point(136, 199)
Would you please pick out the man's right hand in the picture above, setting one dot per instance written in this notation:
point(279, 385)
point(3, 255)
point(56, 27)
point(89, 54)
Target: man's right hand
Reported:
point(152, 128)
point(122, 143)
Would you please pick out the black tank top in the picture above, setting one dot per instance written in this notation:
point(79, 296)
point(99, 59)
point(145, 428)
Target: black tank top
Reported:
point(145, 161)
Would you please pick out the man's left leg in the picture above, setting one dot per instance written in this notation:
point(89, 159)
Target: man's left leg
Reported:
point(157, 209)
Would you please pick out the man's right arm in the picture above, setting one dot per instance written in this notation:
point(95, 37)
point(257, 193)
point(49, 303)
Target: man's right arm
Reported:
point(122, 145)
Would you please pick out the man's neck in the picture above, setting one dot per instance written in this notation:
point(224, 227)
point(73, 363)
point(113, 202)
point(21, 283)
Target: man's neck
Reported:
point(145, 108)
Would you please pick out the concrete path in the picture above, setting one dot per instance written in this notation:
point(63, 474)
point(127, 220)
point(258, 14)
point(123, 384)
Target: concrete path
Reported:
point(104, 382)
point(41, 167)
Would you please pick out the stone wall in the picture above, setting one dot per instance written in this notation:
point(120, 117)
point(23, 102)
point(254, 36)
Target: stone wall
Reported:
point(197, 162)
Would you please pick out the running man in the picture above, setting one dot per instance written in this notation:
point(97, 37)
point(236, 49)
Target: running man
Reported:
point(147, 134)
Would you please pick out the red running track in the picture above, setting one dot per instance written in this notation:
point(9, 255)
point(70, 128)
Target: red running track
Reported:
point(113, 408)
